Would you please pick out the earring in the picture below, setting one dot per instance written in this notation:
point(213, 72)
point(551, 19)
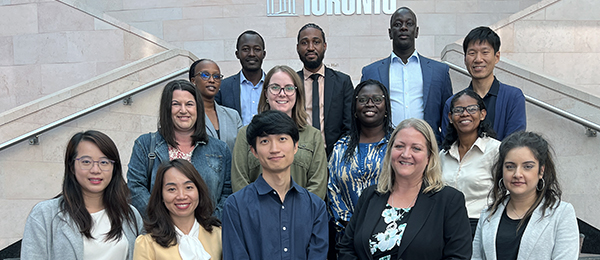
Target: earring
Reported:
point(355, 115)
point(501, 184)
point(537, 187)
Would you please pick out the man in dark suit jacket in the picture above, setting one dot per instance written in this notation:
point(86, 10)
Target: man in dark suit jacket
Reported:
point(420, 97)
point(335, 90)
point(241, 91)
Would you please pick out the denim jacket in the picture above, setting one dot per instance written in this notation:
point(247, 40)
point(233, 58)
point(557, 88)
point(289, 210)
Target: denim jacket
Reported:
point(212, 160)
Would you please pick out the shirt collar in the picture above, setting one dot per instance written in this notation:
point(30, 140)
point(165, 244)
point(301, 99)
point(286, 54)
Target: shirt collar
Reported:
point(264, 188)
point(307, 73)
point(480, 144)
point(494, 89)
point(244, 80)
point(414, 57)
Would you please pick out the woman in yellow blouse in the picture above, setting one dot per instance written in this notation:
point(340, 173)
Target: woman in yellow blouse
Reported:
point(180, 223)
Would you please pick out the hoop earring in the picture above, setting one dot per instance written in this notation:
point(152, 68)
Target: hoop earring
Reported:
point(537, 187)
point(501, 184)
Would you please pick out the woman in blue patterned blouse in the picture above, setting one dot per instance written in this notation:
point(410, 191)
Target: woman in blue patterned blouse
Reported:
point(358, 156)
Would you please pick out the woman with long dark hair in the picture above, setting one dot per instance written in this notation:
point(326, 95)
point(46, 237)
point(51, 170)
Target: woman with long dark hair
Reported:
point(357, 158)
point(181, 135)
point(91, 218)
point(527, 219)
point(180, 223)
point(468, 152)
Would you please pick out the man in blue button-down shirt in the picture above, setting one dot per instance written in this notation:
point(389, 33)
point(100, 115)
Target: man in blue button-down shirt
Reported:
point(273, 217)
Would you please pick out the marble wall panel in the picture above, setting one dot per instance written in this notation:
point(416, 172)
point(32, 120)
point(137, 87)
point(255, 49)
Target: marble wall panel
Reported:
point(57, 76)
point(42, 179)
point(456, 7)
point(580, 67)
point(587, 36)
point(147, 15)
point(466, 22)
point(21, 209)
point(569, 10)
point(437, 24)
point(183, 30)
point(213, 49)
point(361, 25)
point(226, 28)
point(294, 24)
point(40, 48)
point(6, 51)
point(21, 82)
point(544, 36)
point(137, 48)
point(153, 27)
point(106, 45)
point(195, 12)
point(58, 17)
point(18, 19)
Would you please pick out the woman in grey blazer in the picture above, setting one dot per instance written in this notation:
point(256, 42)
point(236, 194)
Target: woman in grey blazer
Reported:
point(527, 219)
point(91, 218)
point(222, 122)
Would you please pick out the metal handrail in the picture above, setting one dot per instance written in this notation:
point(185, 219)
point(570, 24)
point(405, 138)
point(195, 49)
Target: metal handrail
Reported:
point(589, 124)
point(93, 108)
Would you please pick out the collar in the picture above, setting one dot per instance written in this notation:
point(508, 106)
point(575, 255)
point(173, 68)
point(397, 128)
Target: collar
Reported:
point(414, 57)
point(244, 80)
point(480, 144)
point(307, 73)
point(263, 188)
point(494, 89)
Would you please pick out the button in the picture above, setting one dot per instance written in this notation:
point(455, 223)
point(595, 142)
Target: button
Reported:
point(284, 228)
point(275, 192)
point(285, 249)
point(282, 207)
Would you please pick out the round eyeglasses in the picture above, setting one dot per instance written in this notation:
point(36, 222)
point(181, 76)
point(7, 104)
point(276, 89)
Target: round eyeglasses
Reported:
point(205, 75)
point(377, 99)
point(275, 89)
point(87, 163)
point(472, 109)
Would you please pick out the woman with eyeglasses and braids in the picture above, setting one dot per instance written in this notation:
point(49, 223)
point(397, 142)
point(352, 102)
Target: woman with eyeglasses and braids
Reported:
point(468, 152)
point(221, 122)
point(91, 218)
point(283, 90)
point(181, 135)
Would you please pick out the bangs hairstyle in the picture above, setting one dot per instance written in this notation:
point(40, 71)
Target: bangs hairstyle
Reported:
point(483, 129)
point(550, 194)
point(159, 223)
point(299, 114)
point(166, 126)
point(482, 34)
point(432, 177)
point(114, 197)
point(314, 26)
point(355, 127)
point(271, 122)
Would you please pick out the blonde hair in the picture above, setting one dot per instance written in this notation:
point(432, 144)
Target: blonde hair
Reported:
point(432, 177)
point(299, 114)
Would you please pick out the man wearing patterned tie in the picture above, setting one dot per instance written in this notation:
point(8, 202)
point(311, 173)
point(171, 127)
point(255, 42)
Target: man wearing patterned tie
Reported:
point(328, 92)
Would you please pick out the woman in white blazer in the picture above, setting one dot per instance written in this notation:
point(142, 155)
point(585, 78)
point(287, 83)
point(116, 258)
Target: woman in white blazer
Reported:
point(527, 219)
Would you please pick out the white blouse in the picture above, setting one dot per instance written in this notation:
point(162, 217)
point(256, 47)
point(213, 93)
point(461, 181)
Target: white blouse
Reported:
point(473, 174)
point(97, 248)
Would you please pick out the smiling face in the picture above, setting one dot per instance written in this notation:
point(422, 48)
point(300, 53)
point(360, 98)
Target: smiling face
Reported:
point(409, 154)
point(403, 30)
point(465, 122)
point(93, 181)
point(311, 48)
point(521, 172)
point(281, 101)
point(208, 88)
point(180, 195)
point(370, 114)
point(480, 60)
point(183, 111)
point(275, 152)
point(251, 52)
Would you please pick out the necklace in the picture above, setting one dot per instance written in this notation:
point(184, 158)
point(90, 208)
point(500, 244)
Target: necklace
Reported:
point(515, 212)
point(409, 205)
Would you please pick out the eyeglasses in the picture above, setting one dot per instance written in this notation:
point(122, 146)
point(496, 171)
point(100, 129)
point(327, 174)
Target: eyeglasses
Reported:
point(472, 109)
point(205, 75)
point(275, 89)
point(87, 163)
point(363, 100)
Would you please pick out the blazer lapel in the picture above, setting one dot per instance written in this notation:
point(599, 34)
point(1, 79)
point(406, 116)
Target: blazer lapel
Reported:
point(489, 232)
point(209, 126)
point(427, 74)
point(374, 213)
point(70, 231)
point(418, 216)
point(236, 92)
point(329, 85)
point(537, 224)
point(384, 72)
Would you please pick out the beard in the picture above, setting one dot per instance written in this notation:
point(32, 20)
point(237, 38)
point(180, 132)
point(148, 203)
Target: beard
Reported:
point(312, 64)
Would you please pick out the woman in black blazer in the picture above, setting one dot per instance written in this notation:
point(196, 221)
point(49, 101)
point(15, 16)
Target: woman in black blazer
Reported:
point(409, 214)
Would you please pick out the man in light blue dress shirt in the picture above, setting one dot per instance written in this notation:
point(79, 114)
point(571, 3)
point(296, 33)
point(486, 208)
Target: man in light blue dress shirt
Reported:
point(241, 91)
point(418, 86)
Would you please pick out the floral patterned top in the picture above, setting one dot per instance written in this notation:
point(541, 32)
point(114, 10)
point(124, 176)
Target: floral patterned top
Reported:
point(388, 232)
point(175, 153)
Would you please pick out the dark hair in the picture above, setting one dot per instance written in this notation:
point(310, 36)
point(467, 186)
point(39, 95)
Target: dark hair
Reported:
point(550, 193)
point(251, 32)
point(193, 67)
point(311, 25)
point(159, 223)
point(405, 8)
point(299, 114)
point(482, 34)
point(271, 122)
point(484, 128)
point(114, 197)
point(355, 127)
point(165, 121)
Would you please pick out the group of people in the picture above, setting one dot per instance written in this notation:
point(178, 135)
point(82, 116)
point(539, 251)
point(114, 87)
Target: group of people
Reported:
point(301, 165)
